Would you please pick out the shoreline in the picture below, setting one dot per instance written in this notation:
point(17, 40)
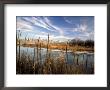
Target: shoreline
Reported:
point(75, 49)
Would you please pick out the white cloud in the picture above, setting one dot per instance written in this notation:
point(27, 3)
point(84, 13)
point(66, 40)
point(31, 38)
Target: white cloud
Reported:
point(44, 33)
point(26, 25)
point(41, 36)
point(86, 35)
point(80, 28)
point(41, 23)
point(23, 26)
point(70, 21)
point(53, 26)
point(83, 27)
point(61, 38)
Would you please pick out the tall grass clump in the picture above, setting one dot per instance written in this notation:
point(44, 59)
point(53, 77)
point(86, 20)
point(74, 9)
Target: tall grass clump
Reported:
point(49, 66)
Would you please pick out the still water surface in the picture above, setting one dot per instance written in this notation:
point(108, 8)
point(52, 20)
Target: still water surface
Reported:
point(70, 57)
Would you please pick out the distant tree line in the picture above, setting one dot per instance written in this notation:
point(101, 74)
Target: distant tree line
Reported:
point(86, 43)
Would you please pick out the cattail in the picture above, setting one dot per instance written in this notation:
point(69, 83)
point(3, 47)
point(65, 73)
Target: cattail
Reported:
point(19, 43)
point(86, 61)
point(37, 49)
point(34, 56)
point(25, 40)
point(48, 43)
point(48, 47)
point(66, 53)
point(83, 56)
point(77, 60)
point(18, 39)
point(73, 58)
point(40, 52)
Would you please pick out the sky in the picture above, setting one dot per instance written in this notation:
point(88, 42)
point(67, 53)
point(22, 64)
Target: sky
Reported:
point(59, 28)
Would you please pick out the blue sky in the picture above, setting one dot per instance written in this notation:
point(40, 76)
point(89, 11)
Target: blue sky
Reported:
point(58, 27)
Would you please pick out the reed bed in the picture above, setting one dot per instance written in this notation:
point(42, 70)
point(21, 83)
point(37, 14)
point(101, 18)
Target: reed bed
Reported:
point(25, 64)
point(50, 66)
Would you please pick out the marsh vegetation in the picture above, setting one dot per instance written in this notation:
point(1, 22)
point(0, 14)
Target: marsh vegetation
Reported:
point(37, 56)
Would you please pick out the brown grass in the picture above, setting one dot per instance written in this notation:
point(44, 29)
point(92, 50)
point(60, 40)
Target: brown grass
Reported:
point(31, 65)
point(49, 66)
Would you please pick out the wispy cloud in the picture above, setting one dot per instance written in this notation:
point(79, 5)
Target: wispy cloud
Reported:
point(42, 26)
point(23, 26)
point(70, 21)
point(46, 23)
point(80, 28)
point(78, 25)
point(89, 35)
point(54, 27)
point(41, 23)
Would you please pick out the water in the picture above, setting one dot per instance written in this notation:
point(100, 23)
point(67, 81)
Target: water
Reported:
point(55, 54)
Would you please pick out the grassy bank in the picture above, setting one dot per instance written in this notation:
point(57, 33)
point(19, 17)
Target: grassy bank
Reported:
point(63, 47)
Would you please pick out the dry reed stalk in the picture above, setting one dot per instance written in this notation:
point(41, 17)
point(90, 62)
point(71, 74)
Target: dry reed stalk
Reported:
point(77, 60)
point(40, 53)
point(48, 43)
point(48, 47)
point(66, 53)
point(19, 43)
point(37, 50)
point(86, 61)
